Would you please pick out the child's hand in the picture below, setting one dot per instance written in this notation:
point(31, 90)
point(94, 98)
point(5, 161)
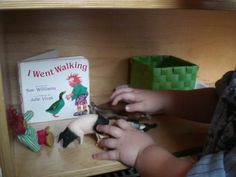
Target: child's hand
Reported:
point(139, 100)
point(125, 143)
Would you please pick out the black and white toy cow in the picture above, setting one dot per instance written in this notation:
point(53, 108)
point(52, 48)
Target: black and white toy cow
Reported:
point(81, 126)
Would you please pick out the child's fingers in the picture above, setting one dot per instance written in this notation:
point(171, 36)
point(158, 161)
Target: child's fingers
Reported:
point(126, 96)
point(121, 86)
point(120, 91)
point(110, 130)
point(122, 124)
point(107, 155)
point(110, 143)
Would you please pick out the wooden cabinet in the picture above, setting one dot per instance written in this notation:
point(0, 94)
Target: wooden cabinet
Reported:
point(107, 33)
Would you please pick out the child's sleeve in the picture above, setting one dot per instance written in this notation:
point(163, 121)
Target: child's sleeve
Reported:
point(222, 83)
point(230, 163)
point(209, 165)
point(217, 165)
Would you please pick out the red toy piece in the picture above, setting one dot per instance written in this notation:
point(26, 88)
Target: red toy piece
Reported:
point(45, 137)
point(16, 121)
point(42, 136)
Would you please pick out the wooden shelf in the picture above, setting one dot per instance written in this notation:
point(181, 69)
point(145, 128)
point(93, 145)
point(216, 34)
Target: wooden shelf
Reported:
point(173, 134)
point(133, 4)
point(108, 33)
point(75, 160)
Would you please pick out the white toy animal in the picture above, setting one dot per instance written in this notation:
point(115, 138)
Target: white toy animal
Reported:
point(81, 126)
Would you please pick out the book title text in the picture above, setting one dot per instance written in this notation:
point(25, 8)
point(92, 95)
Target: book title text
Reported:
point(58, 69)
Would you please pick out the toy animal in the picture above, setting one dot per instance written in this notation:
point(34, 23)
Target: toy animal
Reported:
point(86, 124)
point(81, 126)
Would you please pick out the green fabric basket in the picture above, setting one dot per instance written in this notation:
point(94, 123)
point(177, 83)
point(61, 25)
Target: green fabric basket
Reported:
point(162, 72)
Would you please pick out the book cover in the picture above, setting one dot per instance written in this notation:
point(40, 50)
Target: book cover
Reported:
point(55, 88)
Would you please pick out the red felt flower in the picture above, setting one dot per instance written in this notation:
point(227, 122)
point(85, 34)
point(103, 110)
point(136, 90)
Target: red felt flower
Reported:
point(16, 121)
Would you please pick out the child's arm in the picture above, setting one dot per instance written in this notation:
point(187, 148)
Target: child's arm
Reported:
point(154, 161)
point(197, 105)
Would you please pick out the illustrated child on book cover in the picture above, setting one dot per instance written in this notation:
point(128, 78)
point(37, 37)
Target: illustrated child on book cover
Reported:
point(79, 94)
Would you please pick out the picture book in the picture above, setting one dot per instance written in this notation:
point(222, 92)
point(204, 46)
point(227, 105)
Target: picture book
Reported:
point(54, 88)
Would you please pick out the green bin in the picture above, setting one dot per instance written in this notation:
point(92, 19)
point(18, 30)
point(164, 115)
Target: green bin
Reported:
point(162, 72)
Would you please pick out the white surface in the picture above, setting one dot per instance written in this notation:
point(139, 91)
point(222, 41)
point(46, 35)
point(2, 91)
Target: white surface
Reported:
point(200, 84)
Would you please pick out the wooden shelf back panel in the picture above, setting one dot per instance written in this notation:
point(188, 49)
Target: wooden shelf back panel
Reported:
point(109, 37)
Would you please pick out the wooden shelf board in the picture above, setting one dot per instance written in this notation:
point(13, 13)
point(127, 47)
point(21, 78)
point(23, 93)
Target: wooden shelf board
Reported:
point(173, 134)
point(74, 160)
point(49, 4)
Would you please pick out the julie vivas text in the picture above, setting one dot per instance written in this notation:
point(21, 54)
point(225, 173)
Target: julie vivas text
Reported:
point(57, 69)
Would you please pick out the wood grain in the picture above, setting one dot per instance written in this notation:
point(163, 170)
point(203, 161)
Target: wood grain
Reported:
point(75, 160)
point(131, 4)
point(173, 134)
point(108, 38)
point(6, 147)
